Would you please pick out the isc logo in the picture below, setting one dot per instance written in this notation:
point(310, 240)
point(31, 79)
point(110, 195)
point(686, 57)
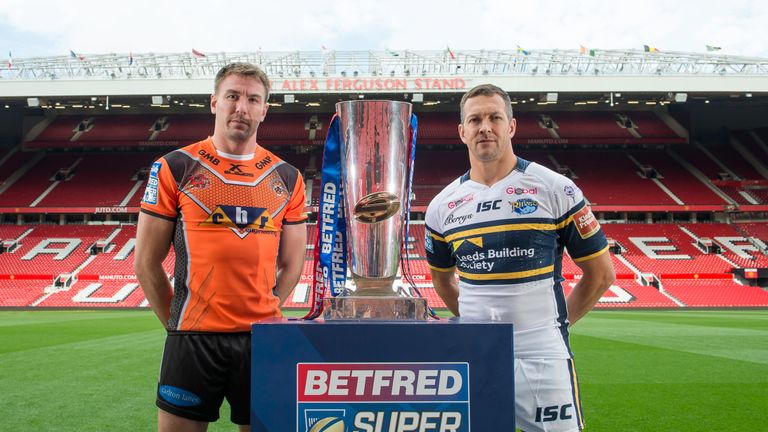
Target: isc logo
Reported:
point(554, 412)
point(488, 205)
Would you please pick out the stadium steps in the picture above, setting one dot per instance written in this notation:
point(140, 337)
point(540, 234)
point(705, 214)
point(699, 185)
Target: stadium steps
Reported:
point(696, 238)
point(760, 144)
point(13, 178)
point(131, 193)
point(658, 182)
point(699, 175)
point(54, 184)
point(749, 156)
point(673, 124)
point(666, 294)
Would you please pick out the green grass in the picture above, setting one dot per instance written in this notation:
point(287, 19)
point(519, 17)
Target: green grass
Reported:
point(639, 371)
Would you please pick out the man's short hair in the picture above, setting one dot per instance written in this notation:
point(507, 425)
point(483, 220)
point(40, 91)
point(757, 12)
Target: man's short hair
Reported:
point(486, 90)
point(245, 70)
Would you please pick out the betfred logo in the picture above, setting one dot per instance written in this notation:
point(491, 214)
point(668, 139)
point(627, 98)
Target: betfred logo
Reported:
point(380, 382)
point(392, 397)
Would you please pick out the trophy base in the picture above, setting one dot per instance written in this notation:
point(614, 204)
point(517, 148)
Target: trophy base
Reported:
point(376, 308)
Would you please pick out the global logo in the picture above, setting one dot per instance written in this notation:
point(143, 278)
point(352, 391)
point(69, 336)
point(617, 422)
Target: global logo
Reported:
point(521, 191)
point(524, 206)
point(460, 201)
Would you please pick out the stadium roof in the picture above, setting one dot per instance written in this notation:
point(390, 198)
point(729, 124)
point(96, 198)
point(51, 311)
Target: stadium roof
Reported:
point(86, 81)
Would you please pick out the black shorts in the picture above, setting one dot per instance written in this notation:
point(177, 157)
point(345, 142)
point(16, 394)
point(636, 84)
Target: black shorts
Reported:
point(199, 370)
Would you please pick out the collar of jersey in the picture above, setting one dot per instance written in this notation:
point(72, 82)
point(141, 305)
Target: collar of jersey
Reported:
point(244, 157)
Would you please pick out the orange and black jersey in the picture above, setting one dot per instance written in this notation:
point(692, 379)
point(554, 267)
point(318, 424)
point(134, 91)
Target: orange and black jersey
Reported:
point(229, 213)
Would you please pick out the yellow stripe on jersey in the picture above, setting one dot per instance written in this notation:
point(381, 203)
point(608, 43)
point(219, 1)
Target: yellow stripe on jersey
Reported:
point(436, 237)
point(589, 257)
point(501, 228)
point(510, 275)
point(564, 223)
point(577, 396)
point(477, 241)
point(442, 270)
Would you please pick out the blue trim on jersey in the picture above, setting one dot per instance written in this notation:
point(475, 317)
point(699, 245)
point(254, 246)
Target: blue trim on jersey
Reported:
point(572, 211)
point(522, 164)
point(464, 178)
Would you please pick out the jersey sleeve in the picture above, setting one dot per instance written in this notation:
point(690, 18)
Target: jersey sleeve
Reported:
point(439, 253)
point(161, 196)
point(294, 213)
point(578, 228)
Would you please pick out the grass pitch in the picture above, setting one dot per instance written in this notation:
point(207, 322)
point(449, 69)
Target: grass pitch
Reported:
point(639, 371)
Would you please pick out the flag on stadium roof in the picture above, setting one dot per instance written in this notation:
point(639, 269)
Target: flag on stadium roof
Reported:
point(324, 49)
point(520, 50)
point(10, 60)
point(713, 48)
point(450, 53)
point(73, 55)
point(648, 48)
point(392, 53)
point(584, 50)
point(197, 53)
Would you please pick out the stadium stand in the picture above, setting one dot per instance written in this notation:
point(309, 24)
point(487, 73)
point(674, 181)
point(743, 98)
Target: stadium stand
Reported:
point(664, 249)
point(593, 167)
point(744, 251)
point(715, 293)
point(623, 159)
point(681, 183)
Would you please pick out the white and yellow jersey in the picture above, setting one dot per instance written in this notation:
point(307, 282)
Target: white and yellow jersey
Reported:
point(506, 243)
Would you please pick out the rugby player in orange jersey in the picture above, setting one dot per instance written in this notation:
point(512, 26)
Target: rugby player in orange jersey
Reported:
point(234, 214)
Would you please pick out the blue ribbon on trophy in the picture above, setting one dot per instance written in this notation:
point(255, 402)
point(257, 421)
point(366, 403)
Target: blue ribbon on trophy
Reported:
point(330, 264)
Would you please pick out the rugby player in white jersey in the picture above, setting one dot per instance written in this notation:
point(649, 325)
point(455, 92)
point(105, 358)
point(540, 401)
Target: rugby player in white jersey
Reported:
point(503, 227)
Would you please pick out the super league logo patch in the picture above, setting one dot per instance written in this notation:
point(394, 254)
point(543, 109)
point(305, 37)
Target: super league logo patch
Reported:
point(240, 219)
point(324, 420)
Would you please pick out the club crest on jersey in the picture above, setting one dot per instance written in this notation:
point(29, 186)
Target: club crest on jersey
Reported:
point(524, 206)
point(240, 219)
point(200, 181)
point(277, 187)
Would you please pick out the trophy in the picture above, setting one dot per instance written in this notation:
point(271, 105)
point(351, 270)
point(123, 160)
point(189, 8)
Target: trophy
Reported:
point(374, 141)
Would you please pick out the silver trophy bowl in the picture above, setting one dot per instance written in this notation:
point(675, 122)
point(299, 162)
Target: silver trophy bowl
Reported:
point(374, 170)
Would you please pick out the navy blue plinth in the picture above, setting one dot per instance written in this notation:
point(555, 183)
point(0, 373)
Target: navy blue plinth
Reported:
point(312, 376)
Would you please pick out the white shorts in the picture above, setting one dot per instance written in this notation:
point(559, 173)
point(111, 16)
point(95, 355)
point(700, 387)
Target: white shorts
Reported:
point(547, 396)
